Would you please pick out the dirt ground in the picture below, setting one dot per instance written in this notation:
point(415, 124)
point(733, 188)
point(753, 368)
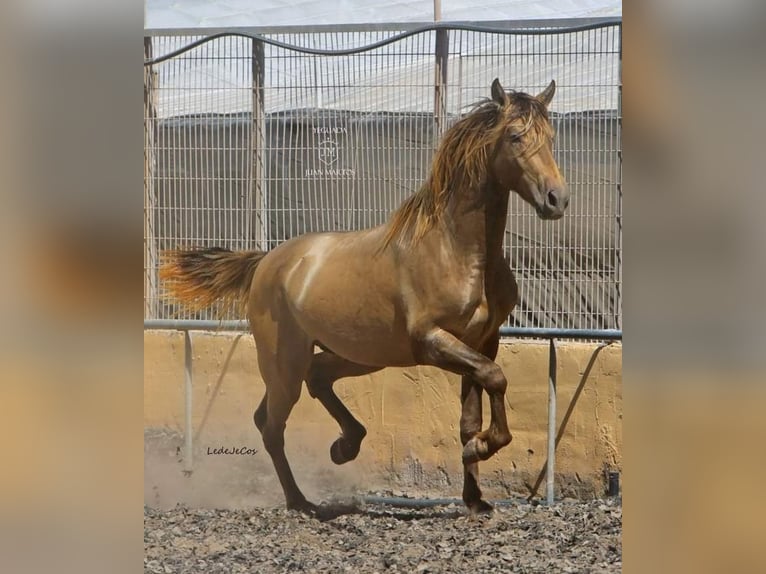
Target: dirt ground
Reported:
point(571, 536)
point(228, 517)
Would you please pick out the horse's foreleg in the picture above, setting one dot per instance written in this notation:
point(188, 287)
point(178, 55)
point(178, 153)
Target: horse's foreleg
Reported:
point(326, 368)
point(470, 426)
point(442, 349)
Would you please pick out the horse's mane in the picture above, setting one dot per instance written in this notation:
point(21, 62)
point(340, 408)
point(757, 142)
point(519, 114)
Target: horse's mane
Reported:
point(461, 159)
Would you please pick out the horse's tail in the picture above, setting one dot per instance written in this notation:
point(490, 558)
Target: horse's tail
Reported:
point(200, 278)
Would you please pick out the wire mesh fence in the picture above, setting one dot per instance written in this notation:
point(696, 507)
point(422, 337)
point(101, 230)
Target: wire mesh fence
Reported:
point(253, 140)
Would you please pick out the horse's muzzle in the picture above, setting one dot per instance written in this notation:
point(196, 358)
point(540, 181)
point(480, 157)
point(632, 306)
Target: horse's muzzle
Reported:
point(554, 203)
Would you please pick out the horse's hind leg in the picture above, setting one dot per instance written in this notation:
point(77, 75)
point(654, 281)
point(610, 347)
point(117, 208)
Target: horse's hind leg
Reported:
point(259, 416)
point(283, 376)
point(326, 368)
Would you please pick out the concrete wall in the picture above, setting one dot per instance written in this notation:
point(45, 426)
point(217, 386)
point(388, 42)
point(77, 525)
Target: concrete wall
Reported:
point(412, 416)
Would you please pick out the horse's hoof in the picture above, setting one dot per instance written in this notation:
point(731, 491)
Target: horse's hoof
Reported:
point(480, 507)
point(475, 450)
point(339, 454)
point(304, 507)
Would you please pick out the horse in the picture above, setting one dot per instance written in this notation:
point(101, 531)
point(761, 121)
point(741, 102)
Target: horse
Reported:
point(428, 287)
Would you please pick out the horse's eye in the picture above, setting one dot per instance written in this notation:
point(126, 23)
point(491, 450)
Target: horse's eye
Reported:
point(515, 138)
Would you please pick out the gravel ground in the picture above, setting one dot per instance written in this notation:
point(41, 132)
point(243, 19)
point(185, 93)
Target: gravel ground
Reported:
point(571, 536)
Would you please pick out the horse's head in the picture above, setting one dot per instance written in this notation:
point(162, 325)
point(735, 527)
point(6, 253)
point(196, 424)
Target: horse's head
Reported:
point(522, 159)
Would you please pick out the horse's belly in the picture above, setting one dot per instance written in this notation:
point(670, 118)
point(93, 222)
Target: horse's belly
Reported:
point(376, 339)
point(381, 353)
point(353, 314)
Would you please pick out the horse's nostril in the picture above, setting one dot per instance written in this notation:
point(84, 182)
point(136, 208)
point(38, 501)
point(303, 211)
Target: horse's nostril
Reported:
point(552, 199)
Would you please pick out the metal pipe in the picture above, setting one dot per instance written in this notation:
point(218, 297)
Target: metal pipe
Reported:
point(188, 457)
point(218, 384)
point(195, 325)
point(403, 502)
point(549, 482)
point(614, 484)
point(556, 24)
point(521, 332)
point(374, 45)
point(567, 414)
point(543, 333)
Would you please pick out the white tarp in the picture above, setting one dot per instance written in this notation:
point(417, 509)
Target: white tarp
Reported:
point(223, 13)
point(587, 77)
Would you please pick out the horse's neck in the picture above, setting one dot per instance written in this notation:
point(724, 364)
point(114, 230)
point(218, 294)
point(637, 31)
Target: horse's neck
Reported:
point(477, 222)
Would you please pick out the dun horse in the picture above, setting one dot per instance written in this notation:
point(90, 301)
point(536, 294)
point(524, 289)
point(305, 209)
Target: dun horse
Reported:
point(429, 287)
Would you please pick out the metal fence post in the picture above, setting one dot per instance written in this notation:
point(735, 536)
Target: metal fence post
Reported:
point(440, 82)
point(618, 227)
point(440, 79)
point(150, 200)
point(257, 197)
point(549, 479)
point(188, 388)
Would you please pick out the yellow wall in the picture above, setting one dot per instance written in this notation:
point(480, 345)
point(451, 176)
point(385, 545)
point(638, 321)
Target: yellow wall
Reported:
point(412, 417)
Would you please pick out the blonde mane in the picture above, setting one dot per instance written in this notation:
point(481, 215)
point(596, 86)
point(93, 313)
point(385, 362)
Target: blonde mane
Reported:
point(460, 162)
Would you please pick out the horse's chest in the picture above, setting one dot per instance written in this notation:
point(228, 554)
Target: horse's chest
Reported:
point(480, 308)
point(469, 312)
point(479, 319)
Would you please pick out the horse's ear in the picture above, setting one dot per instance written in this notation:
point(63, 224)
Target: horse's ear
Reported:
point(547, 94)
point(498, 93)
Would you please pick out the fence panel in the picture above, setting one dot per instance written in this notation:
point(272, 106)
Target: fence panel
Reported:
point(254, 143)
